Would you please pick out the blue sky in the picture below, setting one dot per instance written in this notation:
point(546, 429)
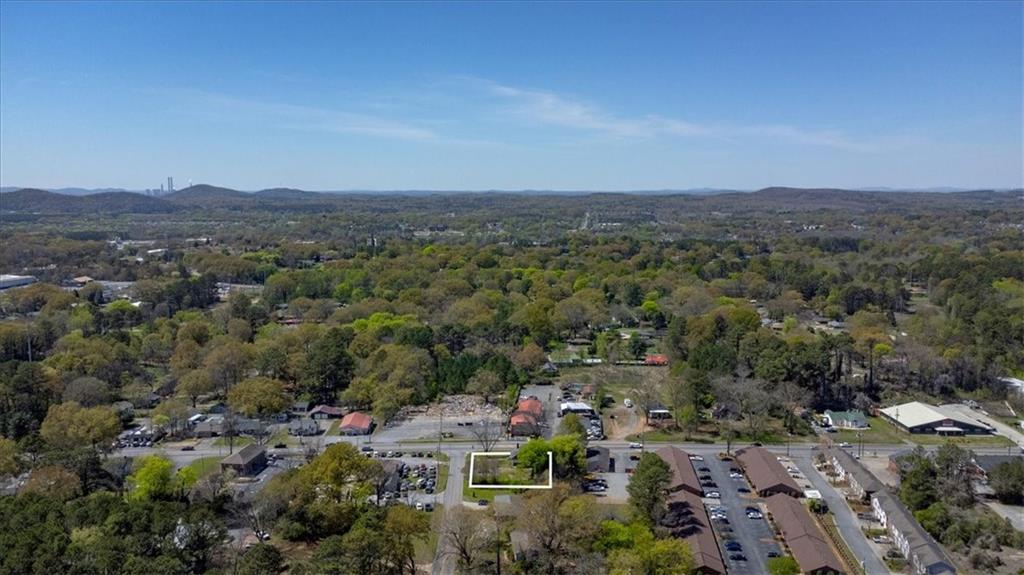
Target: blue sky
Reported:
point(471, 96)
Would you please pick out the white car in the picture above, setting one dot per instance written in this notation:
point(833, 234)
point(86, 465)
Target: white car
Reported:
point(713, 495)
point(635, 445)
point(735, 475)
point(754, 515)
point(628, 403)
point(419, 506)
point(845, 444)
point(696, 458)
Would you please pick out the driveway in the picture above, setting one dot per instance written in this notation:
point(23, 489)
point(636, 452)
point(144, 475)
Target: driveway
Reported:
point(849, 525)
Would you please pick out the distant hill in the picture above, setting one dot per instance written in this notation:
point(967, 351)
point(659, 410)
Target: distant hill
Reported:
point(41, 201)
point(207, 195)
point(68, 191)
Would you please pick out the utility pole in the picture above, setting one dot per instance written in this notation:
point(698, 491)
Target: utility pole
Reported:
point(440, 432)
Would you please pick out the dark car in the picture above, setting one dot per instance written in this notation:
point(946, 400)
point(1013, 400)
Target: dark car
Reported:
point(743, 490)
point(703, 469)
point(705, 478)
point(737, 557)
point(366, 448)
point(773, 554)
point(733, 546)
point(189, 448)
point(482, 503)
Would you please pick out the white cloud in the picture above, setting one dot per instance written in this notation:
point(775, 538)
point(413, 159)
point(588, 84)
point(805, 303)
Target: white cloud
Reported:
point(549, 108)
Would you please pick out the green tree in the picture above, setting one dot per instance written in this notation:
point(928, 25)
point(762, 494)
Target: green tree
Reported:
point(153, 478)
point(258, 396)
point(70, 426)
point(647, 488)
point(9, 464)
point(262, 559)
point(485, 383)
point(917, 486)
point(1007, 481)
point(329, 366)
point(571, 425)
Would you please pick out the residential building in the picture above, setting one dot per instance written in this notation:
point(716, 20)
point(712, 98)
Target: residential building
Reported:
point(924, 555)
point(686, 518)
point(807, 543)
point(326, 412)
point(248, 461)
point(767, 476)
point(917, 417)
point(863, 484)
point(684, 477)
point(854, 419)
point(303, 427)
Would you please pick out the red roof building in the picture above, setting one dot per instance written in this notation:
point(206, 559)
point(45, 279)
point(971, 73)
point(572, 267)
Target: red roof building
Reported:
point(656, 359)
point(356, 423)
point(525, 420)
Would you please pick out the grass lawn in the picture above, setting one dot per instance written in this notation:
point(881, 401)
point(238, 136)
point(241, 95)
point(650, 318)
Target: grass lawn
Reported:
point(240, 441)
point(474, 495)
point(426, 549)
point(206, 465)
point(442, 478)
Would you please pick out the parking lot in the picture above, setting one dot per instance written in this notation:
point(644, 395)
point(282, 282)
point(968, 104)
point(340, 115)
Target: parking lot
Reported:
point(756, 537)
point(418, 484)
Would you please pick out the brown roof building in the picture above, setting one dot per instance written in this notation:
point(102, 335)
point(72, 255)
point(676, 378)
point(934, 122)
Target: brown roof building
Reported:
point(248, 461)
point(687, 519)
point(765, 473)
point(808, 545)
point(355, 423)
point(684, 477)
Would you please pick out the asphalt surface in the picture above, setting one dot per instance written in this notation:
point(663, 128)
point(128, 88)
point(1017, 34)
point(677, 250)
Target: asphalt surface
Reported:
point(755, 535)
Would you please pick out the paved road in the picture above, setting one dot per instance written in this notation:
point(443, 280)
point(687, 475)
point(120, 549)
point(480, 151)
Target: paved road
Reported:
point(849, 525)
point(444, 561)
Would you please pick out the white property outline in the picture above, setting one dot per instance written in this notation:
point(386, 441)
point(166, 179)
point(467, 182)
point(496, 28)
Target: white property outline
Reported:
point(472, 463)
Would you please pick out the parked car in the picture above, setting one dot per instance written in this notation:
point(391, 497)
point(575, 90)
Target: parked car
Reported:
point(366, 448)
point(773, 554)
point(635, 445)
point(189, 448)
point(737, 557)
point(482, 503)
point(713, 495)
point(628, 403)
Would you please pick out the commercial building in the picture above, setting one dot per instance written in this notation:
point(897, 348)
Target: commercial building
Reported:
point(924, 555)
point(13, 281)
point(527, 417)
point(917, 417)
point(248, 461)
point(863, 484)
point(356, 423)
point(599, 460)
point(577, 407)
point(684, 477)
point(767, 476)
point(806, 542)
